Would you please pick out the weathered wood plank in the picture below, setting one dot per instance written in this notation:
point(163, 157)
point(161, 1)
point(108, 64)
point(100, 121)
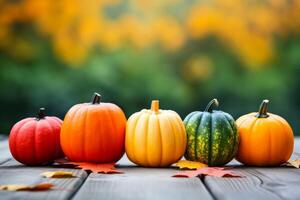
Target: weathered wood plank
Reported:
point(14, 173)
point(141, 183)
point(258, 183)
point(284, 182)
point(248, 187)
point(4, 150)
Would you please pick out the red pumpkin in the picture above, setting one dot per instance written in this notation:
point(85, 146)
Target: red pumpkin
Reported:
point(36, 141)
point(94, 132)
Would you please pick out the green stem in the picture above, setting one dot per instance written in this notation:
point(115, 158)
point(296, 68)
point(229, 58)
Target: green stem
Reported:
point(96, 98)
point(263, 109)
point(212, 103)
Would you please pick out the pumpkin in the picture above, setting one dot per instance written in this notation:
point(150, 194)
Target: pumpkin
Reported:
point(154, 137)
point(265, 139)
point(212, 136)
point(94, 132)
point(36, 141)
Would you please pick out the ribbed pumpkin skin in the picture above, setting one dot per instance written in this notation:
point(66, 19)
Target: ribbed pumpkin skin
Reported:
point(264, 141)
point(94, 133)
point(211, 137)
point(155, 139)
point(36, 142)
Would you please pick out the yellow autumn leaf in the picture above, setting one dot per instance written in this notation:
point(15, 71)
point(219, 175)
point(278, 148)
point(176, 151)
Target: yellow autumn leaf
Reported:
point(20, 187)
point(58, 174)
point(187, 164)
point(294, 163)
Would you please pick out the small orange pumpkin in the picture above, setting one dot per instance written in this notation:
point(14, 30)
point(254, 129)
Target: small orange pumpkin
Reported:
point(265, 139)
point(94, 132)
point(155, 138)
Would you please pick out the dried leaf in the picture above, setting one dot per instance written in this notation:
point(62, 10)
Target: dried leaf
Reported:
point(17, 187)
point(107, 168)
point(209, 171)
point(293, 163)
point(58, 174)
point(187, 164)
point(99, 168)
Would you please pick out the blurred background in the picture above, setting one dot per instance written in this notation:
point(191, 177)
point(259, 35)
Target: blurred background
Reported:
point(55, 54)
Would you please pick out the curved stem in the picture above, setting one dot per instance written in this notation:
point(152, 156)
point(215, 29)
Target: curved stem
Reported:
point(96, 98)
point(212, 103)
point(263, 109)
point(41, 113)
point(155, 106)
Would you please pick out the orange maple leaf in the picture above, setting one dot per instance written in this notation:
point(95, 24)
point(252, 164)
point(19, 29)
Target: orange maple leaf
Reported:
point(210, 171)
point(105, 168)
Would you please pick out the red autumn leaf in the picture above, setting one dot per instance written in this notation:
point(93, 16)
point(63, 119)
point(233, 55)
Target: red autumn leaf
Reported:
point(107, 168)
point(209, 171)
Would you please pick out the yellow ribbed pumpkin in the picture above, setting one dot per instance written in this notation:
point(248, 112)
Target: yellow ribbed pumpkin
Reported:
point(155, 138)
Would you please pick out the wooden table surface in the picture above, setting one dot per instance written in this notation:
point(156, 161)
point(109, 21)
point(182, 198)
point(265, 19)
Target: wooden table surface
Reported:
point(151, 183)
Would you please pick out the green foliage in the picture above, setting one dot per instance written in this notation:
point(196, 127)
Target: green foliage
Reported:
point(133, 78)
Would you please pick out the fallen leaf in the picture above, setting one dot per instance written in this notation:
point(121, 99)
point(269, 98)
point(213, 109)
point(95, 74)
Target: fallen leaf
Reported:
point(209, 171)
point(99, 168)
point(107, 168)
point(58, 174)
point(187, 164)
point(19, 187)
point(293, 163)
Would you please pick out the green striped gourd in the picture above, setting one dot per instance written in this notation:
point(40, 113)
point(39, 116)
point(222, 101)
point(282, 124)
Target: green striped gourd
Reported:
point(212, 136)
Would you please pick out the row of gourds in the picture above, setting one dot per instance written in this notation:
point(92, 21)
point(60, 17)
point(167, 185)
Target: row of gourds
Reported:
point(99, 132)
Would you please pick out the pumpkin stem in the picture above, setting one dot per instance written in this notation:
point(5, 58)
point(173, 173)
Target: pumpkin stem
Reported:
point(41, 114)
point(96, 98)
point(263, 109)
point(214, 102)
point(155, 105)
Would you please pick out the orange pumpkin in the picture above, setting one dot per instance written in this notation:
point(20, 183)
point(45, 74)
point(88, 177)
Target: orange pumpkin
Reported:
point(94, 132)
point(155, 138)
point(265, 139)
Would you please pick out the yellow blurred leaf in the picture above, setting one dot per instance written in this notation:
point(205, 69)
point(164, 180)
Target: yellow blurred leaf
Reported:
point(20, 187)
point(293, 163)
point(58, 174)
point(186, 164)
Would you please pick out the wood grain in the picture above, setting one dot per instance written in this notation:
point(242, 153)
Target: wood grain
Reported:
point(248, 187)
point(258, 183)
point(154, 185)
point(141, 183)
point(13, 172)
point(284, 182)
